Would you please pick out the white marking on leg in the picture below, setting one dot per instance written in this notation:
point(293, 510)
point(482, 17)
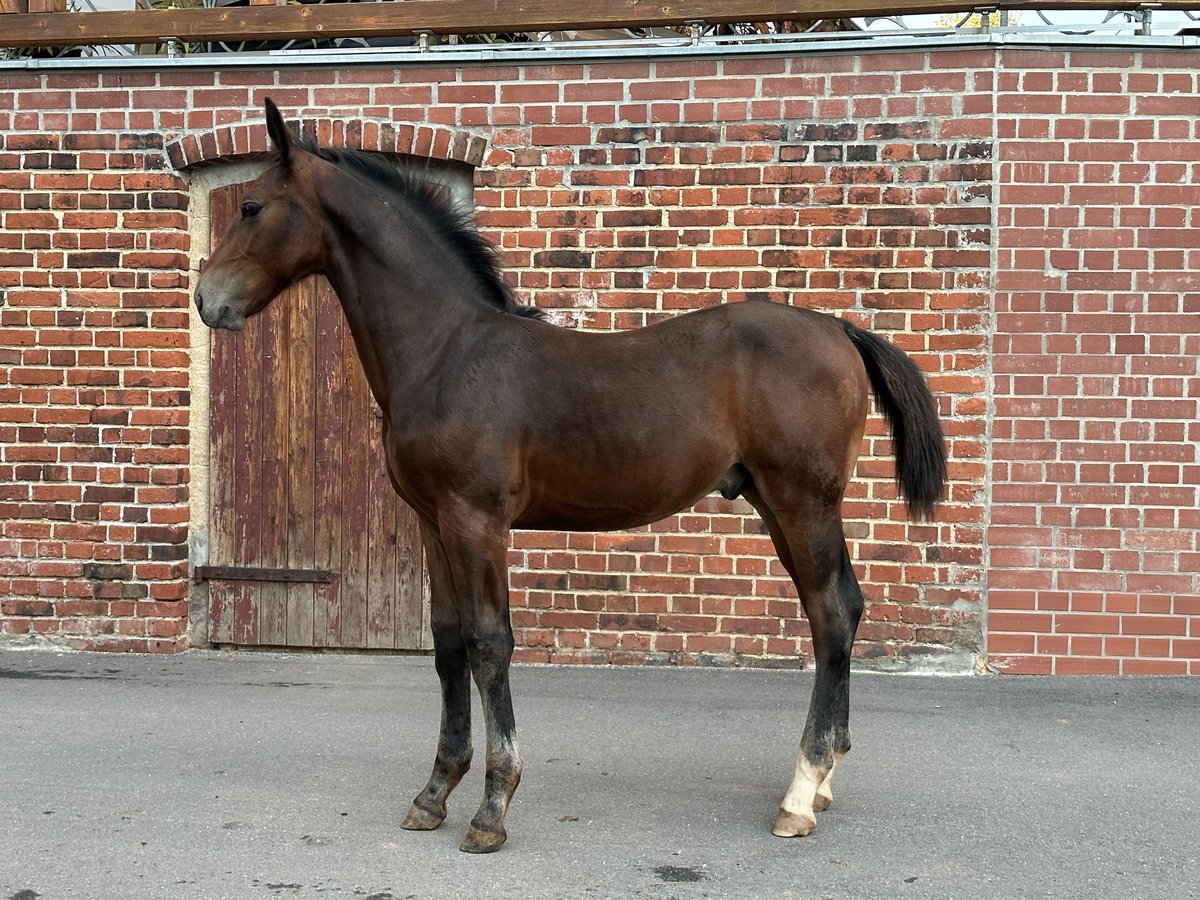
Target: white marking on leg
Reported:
point(825, 791)
point(797, 816)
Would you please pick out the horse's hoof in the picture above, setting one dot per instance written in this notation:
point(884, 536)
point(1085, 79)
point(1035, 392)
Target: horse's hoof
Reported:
point(483, 840)
point(792, 825)
point(821, 802)
point(419, 819)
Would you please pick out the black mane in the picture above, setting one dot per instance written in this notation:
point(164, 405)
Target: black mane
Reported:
point(456, 227)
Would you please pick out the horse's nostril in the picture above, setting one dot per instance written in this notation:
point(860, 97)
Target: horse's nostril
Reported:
point(199, 302)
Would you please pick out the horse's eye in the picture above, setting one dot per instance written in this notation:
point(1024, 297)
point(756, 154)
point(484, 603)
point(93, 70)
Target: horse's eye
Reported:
point(250, 209)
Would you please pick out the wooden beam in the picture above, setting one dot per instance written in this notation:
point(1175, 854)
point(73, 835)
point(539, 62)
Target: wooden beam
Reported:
point(392, 18)
point(252, 573)
point(14, 6)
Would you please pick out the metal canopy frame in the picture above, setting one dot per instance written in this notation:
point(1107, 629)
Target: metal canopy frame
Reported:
point(426, 23)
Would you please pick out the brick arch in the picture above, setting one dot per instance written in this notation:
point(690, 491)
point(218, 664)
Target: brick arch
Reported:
point(227, 142)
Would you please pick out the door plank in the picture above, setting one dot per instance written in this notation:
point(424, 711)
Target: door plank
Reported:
point(300, 474)
point(274, 413)
point(222, 455)
point(352, 608)
point(248, 530)
point(381, 551)
point(329, 405)
point(410, 611)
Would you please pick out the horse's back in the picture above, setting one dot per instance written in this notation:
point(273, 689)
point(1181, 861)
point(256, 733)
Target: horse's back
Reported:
point(724, 368)
point(770, 354)
point(715, 334)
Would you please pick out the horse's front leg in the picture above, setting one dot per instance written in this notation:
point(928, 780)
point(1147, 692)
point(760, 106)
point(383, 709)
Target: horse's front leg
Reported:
point(477, 552)
point(450, 658)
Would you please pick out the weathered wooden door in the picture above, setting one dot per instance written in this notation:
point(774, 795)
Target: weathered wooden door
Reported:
point(309, 546)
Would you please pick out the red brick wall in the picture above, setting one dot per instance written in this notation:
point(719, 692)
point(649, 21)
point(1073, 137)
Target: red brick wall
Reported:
point(93, 367)
point(825, 181)
point(1094, 517)
point(895, 188)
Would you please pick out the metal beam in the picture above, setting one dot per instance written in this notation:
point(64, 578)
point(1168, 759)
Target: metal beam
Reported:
point(408, 17)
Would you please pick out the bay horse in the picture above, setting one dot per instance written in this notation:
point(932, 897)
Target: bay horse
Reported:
point(494, 419)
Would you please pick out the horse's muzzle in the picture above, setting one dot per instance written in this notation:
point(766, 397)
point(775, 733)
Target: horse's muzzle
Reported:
point(216, 311)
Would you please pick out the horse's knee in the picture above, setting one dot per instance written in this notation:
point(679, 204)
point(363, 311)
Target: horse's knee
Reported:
point(450, 662)
point(491, 648)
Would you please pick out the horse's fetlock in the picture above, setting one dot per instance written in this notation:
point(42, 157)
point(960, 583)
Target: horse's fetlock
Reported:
point(505, 772)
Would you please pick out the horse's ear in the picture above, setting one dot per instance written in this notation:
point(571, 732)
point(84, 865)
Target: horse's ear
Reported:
point(277, 131)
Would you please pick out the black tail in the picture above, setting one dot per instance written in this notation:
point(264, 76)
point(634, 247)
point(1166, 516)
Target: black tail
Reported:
point(911, 413)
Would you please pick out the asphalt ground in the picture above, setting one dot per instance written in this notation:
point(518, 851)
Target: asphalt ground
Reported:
point(255, 775)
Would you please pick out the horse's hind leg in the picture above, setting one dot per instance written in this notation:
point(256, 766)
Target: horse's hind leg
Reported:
point(851, 603)
point(833, 611)
point(450, 658)
point(812, 547)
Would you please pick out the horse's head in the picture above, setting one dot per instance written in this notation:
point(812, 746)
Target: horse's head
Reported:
point(273, 242)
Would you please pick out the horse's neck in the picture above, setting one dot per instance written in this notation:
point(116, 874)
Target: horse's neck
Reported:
point(399, 306)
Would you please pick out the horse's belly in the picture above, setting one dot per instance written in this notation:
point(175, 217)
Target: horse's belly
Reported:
point(628, 498)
